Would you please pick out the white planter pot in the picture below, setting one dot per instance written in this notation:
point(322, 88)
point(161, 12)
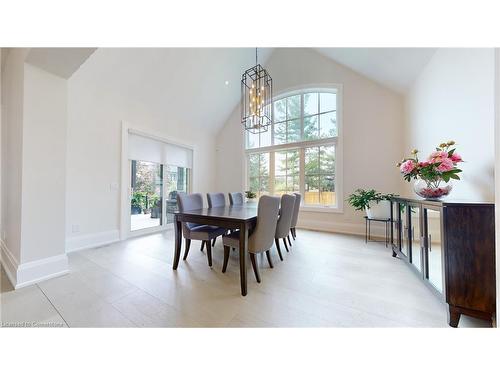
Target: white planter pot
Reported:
point(380, 210)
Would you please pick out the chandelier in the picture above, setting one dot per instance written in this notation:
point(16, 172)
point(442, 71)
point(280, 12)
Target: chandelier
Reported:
point(256, 98)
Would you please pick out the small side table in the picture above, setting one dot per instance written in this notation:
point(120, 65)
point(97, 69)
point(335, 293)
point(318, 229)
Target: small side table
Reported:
point(387, 223)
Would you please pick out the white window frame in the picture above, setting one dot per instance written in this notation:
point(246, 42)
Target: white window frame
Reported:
point(335, 141)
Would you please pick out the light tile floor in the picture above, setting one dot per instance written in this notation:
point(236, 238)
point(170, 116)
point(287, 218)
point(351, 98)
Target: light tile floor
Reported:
point(327, 280)
point(142, 221)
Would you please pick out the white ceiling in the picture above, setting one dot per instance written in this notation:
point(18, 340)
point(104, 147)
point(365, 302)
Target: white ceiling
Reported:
point(187, 85)
point(180, 85)
point(172, 79)
point(59, 61)
point(396, 68)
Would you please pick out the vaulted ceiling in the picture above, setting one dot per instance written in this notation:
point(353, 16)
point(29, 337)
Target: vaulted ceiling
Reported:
point(196, 87)
point(62, 62)
point(201, 86)
point(396, 68)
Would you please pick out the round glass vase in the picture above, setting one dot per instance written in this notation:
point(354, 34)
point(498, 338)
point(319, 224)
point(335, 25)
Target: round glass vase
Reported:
point(434, 189)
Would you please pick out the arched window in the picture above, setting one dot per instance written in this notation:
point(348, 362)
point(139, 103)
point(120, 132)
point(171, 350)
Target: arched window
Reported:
point(301, 151)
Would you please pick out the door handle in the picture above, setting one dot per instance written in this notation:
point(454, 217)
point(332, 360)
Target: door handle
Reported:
point(430, 246)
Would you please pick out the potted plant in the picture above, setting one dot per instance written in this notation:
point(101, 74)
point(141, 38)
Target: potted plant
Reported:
point(376, 204)
point(251, 196)
point(433, 176)
point(155, 206)
point(136, 203)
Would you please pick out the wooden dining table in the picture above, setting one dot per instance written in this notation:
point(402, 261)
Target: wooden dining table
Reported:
point(228, 217)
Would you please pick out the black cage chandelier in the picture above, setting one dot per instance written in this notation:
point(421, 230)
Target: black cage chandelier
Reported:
point(256, 98)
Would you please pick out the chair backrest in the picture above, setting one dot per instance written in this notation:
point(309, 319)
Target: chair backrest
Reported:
point(295, 210)
point(286, 213)
point(216, 200)
point(236, 199)
point(188, 202)
point(262, 237)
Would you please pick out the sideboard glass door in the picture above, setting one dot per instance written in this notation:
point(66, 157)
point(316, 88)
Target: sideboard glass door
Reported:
point(395, 225)
point(415, 237)
point(403, 209)
point(434, 253)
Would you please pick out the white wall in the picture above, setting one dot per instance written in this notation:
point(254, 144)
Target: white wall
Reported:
point(497, 172)
point(112, 86)
point(44, 165)
point(1, 106)
point(12, 148)
point(453, 98)
point(33, 171)
point(372, 123)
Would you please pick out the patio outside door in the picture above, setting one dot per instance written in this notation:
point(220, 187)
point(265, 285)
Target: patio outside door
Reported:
point(146, 207)
point(158, 171)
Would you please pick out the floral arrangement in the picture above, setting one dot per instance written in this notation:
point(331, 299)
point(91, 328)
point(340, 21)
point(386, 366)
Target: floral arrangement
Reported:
point(440, 166)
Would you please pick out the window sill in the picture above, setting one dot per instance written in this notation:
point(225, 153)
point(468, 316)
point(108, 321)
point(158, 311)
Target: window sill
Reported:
point(334, 210)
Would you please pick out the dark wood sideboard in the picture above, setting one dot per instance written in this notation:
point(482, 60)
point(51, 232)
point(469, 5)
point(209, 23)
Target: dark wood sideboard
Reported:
point(451, 247)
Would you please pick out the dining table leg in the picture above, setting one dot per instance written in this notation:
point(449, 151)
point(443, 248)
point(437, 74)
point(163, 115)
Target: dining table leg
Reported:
point(243, 258)
point(178, 241)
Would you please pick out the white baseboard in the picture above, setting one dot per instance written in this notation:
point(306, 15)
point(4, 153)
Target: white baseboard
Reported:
point(9, 263)
point(357, 229)
point(29, 273)
point(88, 241)
point(39, 270)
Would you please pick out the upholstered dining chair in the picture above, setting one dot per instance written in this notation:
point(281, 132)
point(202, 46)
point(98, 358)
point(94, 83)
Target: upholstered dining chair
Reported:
point(284, 222)
point(236, 199)
point(191, 231)
point(295, 216)
point(215, 200)
point(261, 239)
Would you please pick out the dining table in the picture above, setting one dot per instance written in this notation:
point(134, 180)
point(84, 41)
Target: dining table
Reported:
point(241, 218)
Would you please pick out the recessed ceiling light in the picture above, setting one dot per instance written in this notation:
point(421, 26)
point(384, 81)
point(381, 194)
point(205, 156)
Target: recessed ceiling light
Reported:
point(226, 83)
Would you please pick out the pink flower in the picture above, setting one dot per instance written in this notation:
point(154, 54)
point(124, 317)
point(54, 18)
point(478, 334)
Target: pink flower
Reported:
point(446, 165)
point(423, 164)
point(438, 156)
point(456, 158)
point(407, 166)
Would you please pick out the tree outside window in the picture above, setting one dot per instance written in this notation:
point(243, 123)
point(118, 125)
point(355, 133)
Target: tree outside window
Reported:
point(301, 148)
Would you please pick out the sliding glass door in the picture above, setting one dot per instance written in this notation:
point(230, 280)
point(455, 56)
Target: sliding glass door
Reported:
point(159, 171)
point(146, 202)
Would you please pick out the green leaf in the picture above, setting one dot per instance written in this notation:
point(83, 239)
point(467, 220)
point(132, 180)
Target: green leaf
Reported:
point(451, 152)
point(446, 178)
point(455, 177)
